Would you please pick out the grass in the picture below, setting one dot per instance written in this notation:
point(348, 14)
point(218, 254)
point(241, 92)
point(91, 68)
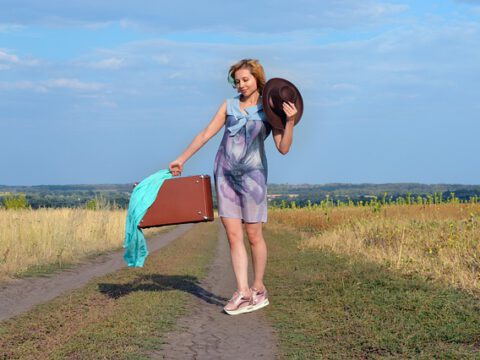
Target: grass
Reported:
point(120, 316)
point(439, 242)
point(345, 283)
point(34, 242)
point(332, 306)
point(53, 267)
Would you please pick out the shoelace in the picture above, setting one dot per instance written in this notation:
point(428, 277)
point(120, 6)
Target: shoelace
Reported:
point(254, 296)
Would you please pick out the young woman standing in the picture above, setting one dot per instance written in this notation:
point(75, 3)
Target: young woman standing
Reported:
point(240, 173)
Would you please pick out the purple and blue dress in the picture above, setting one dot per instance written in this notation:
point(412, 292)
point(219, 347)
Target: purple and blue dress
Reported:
point(240, 170)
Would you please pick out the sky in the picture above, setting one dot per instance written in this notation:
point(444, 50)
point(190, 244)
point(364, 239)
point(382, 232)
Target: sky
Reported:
point(102, 92)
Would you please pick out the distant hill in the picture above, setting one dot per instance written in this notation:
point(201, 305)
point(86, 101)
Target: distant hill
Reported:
point(119, 194)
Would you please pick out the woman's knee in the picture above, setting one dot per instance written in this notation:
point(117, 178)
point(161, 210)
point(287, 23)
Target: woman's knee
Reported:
point(254, 234)
point(235, 237)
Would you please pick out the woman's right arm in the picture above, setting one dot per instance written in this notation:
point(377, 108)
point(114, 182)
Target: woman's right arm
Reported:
point(176, 166)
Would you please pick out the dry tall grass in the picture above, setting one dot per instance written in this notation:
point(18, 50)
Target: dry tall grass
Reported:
point(56, 236)
point(441, 242)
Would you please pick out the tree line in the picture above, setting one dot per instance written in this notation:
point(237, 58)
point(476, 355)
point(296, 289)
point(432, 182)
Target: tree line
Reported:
point(118, 196)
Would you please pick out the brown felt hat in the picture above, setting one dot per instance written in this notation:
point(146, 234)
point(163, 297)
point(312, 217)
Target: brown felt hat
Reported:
point(275, 92)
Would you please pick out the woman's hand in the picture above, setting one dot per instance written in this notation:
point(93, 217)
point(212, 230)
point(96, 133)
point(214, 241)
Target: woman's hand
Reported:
point(290, 110)
point(176, 167)
point(283, 137)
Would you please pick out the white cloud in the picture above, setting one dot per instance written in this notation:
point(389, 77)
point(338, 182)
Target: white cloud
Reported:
point(161, 59)
point(102, 99)
point(44, 86)
point(74, 84)
point(108, 103)
point(109, 64)
point(380, 10)
point(360, 13)
point(23, 85)
point(7, 60)
point(9, 28)
point(217, 16)
point(176, 75)
point(98, 25)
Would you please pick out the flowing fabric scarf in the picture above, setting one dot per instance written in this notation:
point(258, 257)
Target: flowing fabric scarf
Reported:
point(142, 198)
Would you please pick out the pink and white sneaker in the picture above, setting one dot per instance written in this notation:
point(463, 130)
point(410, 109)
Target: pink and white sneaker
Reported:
point(238, 304)
point(259, 299)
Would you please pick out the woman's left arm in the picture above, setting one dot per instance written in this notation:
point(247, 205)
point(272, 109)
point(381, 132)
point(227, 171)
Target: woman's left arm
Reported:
point(283, 138)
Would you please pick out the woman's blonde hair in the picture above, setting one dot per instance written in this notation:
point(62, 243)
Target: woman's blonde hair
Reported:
point(255, 68)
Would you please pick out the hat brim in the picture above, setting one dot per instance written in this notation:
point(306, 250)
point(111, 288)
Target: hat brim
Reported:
point(276, 117)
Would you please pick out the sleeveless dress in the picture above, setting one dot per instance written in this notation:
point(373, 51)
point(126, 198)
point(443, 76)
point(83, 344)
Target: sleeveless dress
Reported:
point(240, 169)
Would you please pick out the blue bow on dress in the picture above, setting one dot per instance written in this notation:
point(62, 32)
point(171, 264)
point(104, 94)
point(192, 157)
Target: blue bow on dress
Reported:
point(253, 113)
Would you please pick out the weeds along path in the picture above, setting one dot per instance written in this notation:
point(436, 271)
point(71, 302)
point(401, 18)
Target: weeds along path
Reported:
point(22, 294)
point(206, 332)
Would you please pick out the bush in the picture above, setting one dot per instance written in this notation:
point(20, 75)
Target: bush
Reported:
point(15, 202)
point(100, 203)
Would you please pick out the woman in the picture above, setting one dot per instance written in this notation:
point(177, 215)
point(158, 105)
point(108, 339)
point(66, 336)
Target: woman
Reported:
point(241, 176)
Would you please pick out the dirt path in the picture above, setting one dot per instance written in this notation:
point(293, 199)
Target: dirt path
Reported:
point(22, 294)
point(208, 333)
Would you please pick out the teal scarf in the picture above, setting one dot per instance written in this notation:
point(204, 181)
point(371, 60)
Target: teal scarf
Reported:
point(142, 198)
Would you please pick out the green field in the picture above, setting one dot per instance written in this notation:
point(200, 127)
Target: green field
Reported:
point(325, 305)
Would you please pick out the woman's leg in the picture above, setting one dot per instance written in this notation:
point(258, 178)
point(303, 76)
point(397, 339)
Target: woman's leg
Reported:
point(234, 230)
point(259, 252)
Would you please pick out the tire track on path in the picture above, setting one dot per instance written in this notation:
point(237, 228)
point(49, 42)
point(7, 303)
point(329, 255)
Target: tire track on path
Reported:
point(22, 294)
point(207, 332)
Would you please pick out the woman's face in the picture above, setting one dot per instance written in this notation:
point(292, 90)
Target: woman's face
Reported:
point(245, 82)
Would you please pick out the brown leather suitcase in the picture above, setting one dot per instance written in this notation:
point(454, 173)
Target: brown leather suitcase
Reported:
point(181, 200)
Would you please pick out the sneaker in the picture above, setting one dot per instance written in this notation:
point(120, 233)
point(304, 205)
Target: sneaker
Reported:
point(259, 299)
point(238, 304)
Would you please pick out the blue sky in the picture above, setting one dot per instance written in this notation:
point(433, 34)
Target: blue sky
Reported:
point(110, 92)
